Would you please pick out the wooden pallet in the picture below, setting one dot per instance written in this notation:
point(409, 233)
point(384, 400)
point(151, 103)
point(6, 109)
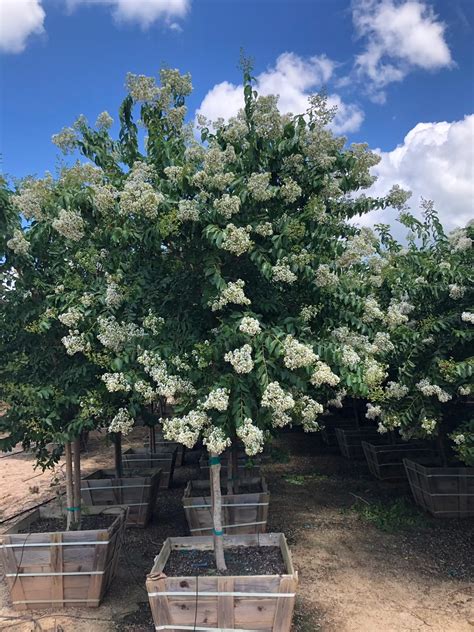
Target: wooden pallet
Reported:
point(350, 441)
point(61, 569)
point(446, 492)
point(138, 493)
point(241, 513)
point(210, 603)
point(385, 461)
point(164, 458)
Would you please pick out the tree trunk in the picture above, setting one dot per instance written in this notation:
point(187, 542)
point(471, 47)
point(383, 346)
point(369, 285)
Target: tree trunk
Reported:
point(234, 450)
point(230, 474)
point(216, 499)
point(69, 487)
point(77, 481)
point(118, 455)
point(152, 438)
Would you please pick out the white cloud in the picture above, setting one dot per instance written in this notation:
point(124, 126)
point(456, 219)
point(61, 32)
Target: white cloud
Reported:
point(18, 20)
point(142, 12)
point(400, 37)
point(436, 162)
point(293, 78)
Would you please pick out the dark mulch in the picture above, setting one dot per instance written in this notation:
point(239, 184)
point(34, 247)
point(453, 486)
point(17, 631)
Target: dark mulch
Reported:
point(242, 560)
point(51, 525)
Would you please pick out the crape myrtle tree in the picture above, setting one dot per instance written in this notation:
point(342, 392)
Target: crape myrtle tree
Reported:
point(39, 383)
point(237, 285)
point(427, 295)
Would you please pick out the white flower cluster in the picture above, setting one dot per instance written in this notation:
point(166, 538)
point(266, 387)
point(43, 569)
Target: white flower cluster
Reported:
point(456, 291)
point(173, 173)
point(290, 191)
point(309, 412)
point(275, 398)
point(113, 335)
point(459, 239)
point(395, 390)
point(122, 422)
point(70, 318)
point(105, 197)
point(232, 293)
point(113, 295)
point(397, 313)
point(153, 323)
point(337, 401)
point(241, 359)
point(250, 326)
point(381, 429)
point(308, 312)
point(87, 299)
point(428, 389)
point(458, 439)
point(373, 412)
point(468, 317)
point(75, 342)
point(372, 310)
point(381, 344)
point(145, 390)
point(324, 277)
point(323, 375)
point(188, 210)
point(218, 399)
point(104, 121)
point(69, 224)
point(358, 247)
point(258, 186)
point(297, 354)
point(251, 436)
point(32, 196)
point(168, 385)
point(265, 229)
point(282, 273)
point(186, 429)
point(18, 243)
point(66, 140)
point(374, 372)
point(236, 240)
point(349, 357)
point(216, 441)
point(464, 390)
point(115, 382)
point(428, 425)
point(227, 205)
point(141, 88)
point(138, 196)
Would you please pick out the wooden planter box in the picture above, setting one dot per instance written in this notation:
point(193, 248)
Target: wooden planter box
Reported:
point(328, 431)
point(241, 513)
point(386, 461)
point(164, 459)
point(222, 604)
point(350, 441)
point(446, 492)
point(138, 493)
point(64, 568)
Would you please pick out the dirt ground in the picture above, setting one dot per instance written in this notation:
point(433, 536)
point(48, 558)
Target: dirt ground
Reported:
point(368, 559)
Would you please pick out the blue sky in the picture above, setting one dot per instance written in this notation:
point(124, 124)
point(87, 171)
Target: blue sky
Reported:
point(401, 72)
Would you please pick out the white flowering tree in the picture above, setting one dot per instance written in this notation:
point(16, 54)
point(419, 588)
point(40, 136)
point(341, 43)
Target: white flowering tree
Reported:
point(428, 297)
point(231, 278)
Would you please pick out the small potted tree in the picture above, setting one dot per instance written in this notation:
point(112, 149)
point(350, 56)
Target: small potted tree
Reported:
point(429, 310)
point(57, 555)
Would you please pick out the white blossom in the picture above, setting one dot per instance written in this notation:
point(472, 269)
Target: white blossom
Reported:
point(227, 205)
point(116, 382)
point(251, 436)
point(232, 293)
point(18, 243)
point(250, 326)
point(324, 277)
point(258, 186)
point(69, 224)
point(241, 359)
point(104, 121)
point(395, 390)
point(372, 310)
point(275, 398)
point(236, 240)
point(71, 318)
point(139, 196)
point(428, 425)
point(464, 390)
point(265, 229)
point(374, 372)
point(141, 88)
point(216, 441)
point(186, 429)
point(282, 273)
point(66, 140)
point(428, 389)
point(468, 317)
point(75, 342)
point(373, 412)
point(146, 391)
point(309, 413)
point(349, 357)
point(297, 354)
point(397, 312)
point(323, 375)
point(218, 399)
point(188, 210)
point(290, 191)
point(122, 422)
point(456, 291)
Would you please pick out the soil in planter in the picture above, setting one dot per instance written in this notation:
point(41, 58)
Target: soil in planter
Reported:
point(50, 525)
point(241, 560)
